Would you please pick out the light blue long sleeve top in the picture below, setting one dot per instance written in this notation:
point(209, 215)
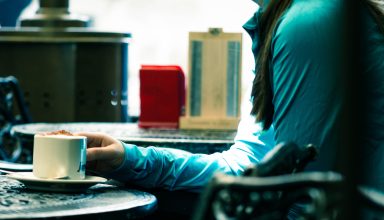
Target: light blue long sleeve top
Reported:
point(306, 97)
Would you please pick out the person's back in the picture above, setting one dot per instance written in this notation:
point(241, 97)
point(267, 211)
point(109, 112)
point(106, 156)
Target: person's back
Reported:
point(373, 129)
point(305, 77)
point(306, 54)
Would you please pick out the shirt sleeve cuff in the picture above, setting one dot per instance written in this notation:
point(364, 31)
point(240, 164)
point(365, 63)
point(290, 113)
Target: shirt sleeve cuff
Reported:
point(123, 173)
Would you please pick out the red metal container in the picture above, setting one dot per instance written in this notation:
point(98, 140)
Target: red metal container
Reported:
point(162, 96)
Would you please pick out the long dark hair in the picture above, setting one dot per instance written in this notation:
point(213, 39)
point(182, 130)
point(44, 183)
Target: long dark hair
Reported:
point(261, 89)
point(261, 93)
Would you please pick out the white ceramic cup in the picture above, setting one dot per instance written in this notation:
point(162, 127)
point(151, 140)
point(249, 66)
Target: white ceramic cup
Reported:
point(59, 156)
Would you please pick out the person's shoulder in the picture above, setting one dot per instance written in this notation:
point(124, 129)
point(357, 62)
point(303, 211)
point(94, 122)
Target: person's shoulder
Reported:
point(310, 16)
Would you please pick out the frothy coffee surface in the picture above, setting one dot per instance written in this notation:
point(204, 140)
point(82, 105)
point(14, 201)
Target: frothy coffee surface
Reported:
point(59, 132)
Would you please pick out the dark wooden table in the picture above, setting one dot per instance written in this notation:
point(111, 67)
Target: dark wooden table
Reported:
point(102, 201)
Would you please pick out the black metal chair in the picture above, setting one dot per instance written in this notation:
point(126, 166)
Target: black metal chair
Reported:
point(372, 202)
point(13, 110)
point(272, 189)
point(276, 189)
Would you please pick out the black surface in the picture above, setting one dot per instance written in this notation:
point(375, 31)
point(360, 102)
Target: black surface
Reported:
point(174, 205)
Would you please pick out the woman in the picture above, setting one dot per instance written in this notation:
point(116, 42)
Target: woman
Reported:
point(296, 96)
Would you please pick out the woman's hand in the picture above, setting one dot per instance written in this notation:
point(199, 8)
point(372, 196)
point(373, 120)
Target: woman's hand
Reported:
point(104, 153)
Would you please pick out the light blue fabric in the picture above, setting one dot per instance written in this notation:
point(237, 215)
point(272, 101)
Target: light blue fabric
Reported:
point(176, 169)
point(307, 98)
point(306, 83)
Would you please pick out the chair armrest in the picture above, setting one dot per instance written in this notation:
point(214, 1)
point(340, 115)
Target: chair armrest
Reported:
point(284, 158)
point(371, 199)
point(268, 197)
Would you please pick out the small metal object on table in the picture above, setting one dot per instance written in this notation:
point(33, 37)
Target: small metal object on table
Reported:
point(195, 141)
point(102, 200)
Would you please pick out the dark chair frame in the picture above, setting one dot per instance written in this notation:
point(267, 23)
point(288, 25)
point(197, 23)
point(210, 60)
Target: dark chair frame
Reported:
point(277, 189)
point(229, 197)
point(13, 110)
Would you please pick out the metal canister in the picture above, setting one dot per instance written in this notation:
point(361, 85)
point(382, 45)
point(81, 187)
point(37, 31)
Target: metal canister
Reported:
point(68, 71)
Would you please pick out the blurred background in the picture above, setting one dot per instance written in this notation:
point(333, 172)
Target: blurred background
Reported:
point(159, 29)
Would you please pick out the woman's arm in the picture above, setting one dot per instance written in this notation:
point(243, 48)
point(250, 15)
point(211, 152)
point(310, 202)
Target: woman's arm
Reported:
point(176, 169)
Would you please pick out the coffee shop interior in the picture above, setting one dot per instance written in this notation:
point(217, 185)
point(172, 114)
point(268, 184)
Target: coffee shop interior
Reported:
point(166, 74)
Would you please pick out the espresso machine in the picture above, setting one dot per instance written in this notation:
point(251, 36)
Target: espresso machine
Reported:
point(68, 71)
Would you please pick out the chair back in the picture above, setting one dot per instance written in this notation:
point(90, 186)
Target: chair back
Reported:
point(13, 110)
point(273, 189)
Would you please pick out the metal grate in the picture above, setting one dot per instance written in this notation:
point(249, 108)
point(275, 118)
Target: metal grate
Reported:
point(17, 202)
point(128, 131)
point(195, 141)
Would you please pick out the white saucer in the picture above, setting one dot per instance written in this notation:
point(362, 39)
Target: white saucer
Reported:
point(55, 185)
